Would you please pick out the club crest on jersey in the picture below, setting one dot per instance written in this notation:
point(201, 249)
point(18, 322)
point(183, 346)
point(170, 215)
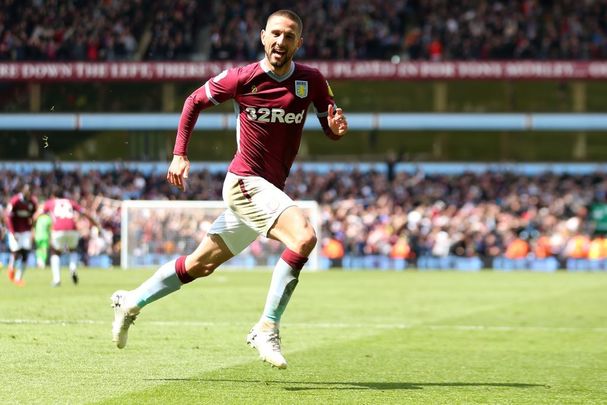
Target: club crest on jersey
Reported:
point(301, 88)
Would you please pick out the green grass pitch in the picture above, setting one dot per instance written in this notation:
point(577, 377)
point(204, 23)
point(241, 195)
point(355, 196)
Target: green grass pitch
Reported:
point(350, 338)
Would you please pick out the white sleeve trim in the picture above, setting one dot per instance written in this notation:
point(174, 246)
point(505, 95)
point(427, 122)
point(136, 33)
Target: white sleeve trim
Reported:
point(207, 91)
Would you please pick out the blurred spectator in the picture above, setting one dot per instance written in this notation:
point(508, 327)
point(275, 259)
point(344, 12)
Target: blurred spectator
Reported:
point(577, 247)
point(333, 250)
point(517, 248)
point(371, 29)
point(597, 248)
point(541, 247)
point(401, 249)
point(489, 214)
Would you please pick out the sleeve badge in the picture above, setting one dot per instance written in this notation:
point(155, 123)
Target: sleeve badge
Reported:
point(329, 89)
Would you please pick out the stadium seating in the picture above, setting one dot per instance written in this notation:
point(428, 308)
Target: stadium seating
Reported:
point(95, 30)
point(465, 221)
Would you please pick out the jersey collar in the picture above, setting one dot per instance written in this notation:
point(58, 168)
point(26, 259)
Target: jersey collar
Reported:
point(273, 75)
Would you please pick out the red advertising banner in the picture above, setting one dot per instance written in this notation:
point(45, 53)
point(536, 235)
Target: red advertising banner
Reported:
point(359, 70)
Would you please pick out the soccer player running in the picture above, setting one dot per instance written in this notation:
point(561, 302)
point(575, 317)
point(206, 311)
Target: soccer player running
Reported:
point(272, 98)
point(64, 233)
point(19, 219)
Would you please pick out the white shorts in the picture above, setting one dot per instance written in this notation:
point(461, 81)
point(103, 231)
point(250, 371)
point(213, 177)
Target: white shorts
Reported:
point(64, 240)
point(19, 240)
point(254, 205)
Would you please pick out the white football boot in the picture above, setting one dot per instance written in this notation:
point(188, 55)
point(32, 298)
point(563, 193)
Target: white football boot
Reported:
point(267, 343)
point(124, 317)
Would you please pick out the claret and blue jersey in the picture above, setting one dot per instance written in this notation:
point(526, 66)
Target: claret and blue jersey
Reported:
point(271, 114)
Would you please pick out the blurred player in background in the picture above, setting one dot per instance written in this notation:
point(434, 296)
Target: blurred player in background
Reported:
point(273, 96)
point(42, 238)
point(64, 233)
point(19, 218)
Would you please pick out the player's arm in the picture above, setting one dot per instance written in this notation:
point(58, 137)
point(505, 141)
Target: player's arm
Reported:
point(8, 218)
point(78, 208)
point(215, 91)
point(90, 218)
point(331, 118)
point(37, 214)
point(180, 165)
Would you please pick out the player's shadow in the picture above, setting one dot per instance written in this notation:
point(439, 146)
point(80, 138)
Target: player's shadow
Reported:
point(387, 386)
point(345, 385)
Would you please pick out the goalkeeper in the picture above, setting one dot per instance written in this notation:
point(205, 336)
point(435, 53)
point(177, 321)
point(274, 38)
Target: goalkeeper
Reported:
point(272, 98)
point(42, 237)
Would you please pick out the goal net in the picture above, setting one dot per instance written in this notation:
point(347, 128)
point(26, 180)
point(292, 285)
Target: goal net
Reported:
point(154, 232)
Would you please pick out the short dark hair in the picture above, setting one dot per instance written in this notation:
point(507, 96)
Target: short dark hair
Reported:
point(291, 15)
point(56, 192)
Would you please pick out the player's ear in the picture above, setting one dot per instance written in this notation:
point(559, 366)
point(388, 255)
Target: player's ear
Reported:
point(261, 36)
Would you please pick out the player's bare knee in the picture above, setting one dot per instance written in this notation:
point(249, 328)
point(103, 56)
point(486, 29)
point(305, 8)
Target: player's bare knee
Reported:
point(306, 243)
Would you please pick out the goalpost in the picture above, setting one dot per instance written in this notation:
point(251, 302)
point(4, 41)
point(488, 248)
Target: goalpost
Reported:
point(154, 232)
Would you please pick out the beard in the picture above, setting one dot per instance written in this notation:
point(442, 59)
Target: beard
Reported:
point(278, 63)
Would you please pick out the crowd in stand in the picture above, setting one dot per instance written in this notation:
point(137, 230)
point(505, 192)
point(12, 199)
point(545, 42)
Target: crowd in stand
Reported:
point(426, 30)
point(398, 215)
point(76, 30)
point(487, 215)
point(95, 30)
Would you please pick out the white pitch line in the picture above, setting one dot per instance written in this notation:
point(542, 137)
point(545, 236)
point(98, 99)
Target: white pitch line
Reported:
point(311, 325)
point(500, 328)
